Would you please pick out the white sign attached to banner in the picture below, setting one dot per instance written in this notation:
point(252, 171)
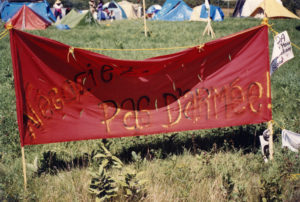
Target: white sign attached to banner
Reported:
point(282, 51)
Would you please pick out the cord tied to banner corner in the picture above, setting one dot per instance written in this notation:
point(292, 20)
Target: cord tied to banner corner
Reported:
point(5, 32)
point(265, 21)
point(9, 26)
point(200, 47)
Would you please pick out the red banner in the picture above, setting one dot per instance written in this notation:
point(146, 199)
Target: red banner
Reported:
point(66, 94)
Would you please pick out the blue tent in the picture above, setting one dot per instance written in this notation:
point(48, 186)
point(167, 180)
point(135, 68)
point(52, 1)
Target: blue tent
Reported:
point(216, 13)
point(118, 11)
point(174, 10)
point(9, 9)
point(153, 9)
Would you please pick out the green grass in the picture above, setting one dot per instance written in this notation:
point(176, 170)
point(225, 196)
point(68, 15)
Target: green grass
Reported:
point(174, 173)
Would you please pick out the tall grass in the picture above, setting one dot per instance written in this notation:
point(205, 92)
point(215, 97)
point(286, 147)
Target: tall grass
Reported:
point(174, 174)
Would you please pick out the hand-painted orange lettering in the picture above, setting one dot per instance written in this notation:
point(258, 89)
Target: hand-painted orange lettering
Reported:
point(220, 102)
point(237, 98)
point(255, 92)
point(56, 101)
point(110, 110)
point(168, 97)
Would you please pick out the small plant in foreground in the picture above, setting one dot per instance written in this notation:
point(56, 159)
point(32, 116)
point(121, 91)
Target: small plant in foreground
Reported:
point(105, 187)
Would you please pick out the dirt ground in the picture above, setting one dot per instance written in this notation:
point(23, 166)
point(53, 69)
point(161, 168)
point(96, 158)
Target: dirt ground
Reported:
point(228, 12)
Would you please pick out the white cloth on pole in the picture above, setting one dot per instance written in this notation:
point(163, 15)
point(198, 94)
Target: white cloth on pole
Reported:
point(290, 140)
point(282, 51)
point(264, 142)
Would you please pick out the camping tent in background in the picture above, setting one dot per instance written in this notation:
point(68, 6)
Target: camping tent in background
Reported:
point(244, 8)
point(116, 9)
point(272, 9)
point(27, 19)
point(153, 9)
point(174, 10)
point(74, 18)
point(196, 14)
point(216, 13)
point(42, 8)
point(1, 6)
point(130, 9)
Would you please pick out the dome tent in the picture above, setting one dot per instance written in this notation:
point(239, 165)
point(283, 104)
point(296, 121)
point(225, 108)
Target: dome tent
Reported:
point(272, 9)
point(130, 9)
point(174, 10)
point(27, 19)
point(118, 11)
point(11, 7)
point(244, 8)
point(153, 9)
point(74, 18)
point(216, 13)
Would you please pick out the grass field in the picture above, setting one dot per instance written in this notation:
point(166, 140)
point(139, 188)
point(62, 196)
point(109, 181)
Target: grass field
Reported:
point(207, 165)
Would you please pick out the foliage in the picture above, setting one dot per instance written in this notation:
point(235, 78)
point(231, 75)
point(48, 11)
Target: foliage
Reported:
point(102, 185)
point(132, 187)
point(105, 187)
point(106, 159)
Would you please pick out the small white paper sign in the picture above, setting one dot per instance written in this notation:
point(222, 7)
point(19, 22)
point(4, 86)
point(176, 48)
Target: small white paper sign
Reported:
point(282, 51)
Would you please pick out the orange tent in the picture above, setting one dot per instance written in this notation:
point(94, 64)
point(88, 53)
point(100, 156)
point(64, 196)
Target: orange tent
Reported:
point(27, 19)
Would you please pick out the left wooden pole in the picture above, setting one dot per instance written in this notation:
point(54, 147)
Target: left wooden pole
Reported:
point(144, 10)
point(24, 169)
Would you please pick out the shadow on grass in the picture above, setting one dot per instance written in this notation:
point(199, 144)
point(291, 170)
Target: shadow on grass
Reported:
point(226, 139)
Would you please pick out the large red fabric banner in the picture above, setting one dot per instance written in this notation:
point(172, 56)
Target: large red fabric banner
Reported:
point(66, 94)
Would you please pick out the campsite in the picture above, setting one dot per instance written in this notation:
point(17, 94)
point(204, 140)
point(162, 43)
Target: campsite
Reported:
point(211, 164)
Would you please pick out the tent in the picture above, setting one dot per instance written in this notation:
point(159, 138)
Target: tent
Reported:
point(130, 9)
point(272, 9)
point(11, 7)
point(118, 11)
point(27, 19)
point(196, 13)
point(153, 9)
point(174, 10)
point(244, 8)
point(74, 18)
point(216, 13)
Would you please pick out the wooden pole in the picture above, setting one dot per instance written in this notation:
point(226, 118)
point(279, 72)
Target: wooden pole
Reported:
point(265, 15)
point(271, 146)
point(24, 169)
point(144, 10)
point(208, 27)
point(228, 8)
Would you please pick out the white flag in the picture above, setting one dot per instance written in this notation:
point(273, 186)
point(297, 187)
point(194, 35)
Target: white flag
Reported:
point(206, 3)
point(282, 51)
point(264, 142)
point(290, 140)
